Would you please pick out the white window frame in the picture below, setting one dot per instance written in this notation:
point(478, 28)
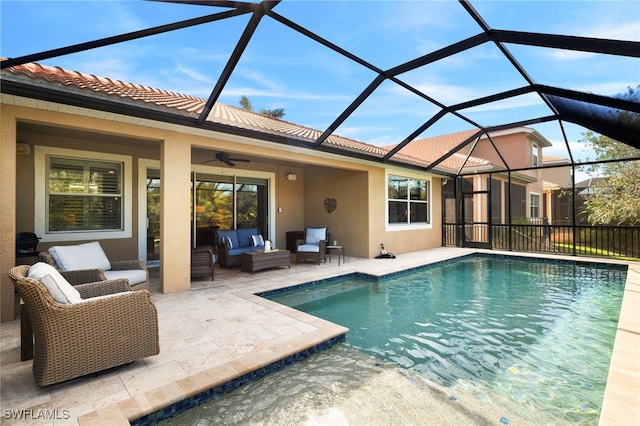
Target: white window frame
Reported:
point(532, 205)
point(535, 160)
point(407, 226)
point(41, 154)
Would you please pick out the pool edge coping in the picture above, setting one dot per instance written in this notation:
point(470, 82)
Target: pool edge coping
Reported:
point(611, 413)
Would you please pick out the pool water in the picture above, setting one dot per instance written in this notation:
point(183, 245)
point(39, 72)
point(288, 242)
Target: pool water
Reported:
point(342, 386)
point(532, 336)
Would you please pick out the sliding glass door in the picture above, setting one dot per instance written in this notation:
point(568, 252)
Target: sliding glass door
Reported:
point(218, 201)
point(227, 202)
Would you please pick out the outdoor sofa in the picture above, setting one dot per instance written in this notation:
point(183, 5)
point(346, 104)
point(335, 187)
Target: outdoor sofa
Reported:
point(88, 263)
point(233, 242)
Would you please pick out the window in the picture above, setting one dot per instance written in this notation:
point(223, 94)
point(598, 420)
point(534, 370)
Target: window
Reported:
point(408, 201)
point(535, 155)
point(534, 205)
point(84, 195)
point(80, 192)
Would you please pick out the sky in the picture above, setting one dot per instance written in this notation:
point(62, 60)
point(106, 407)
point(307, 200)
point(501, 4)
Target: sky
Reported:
point(281, 68)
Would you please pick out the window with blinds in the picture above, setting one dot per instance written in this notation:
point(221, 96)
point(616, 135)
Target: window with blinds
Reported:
point(84, 195)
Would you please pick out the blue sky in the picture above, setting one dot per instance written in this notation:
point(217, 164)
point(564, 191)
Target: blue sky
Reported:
point(283, 69)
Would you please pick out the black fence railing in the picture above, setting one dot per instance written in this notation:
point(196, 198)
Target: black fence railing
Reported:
point(608, 241)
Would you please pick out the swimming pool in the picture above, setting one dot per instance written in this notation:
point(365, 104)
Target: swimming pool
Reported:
point(532, 336)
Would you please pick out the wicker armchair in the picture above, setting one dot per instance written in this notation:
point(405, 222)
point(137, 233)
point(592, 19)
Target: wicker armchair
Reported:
point(74, 340)
point(118, 270)
point(313, 246)
point(202, 262)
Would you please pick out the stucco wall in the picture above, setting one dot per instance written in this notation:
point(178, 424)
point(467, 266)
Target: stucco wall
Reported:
point(116, 249)
point(349, 222)
point(359, 221)
point(7, 211)
point(289, 203)
point(359, 187)
point(400, 239)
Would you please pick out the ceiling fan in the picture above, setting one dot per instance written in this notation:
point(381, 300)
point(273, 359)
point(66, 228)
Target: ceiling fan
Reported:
point(226, 159)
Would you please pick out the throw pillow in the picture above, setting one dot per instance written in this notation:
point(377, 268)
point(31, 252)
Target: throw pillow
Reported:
point(227, 242)
point(58, 287)
point(257, 241)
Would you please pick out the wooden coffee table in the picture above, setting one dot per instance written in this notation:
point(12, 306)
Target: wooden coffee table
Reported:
point(258, 260)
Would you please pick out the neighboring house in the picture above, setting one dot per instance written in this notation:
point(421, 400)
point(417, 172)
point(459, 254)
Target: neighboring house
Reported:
point(90, 158)
point(487, 200)
point(565, 201)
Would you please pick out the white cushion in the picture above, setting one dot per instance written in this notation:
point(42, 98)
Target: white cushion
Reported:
point(80, 256)
point(57, 286)
point(257, 241)
point(53, 252)
point(314, 235)
point(309, 248)
point(227, 241)
point(135, 276)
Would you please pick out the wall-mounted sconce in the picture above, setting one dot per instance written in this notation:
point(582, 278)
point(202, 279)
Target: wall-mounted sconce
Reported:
point(22, 148)
point(291, 176)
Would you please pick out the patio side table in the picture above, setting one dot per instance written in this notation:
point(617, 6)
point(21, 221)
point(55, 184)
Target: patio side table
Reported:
point(339, 249)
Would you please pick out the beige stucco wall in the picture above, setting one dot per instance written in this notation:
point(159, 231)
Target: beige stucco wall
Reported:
point(349, 222)
point(117, 249)
point(289, 203)
point(400, 240)
point(359, 187)
point(7, 211)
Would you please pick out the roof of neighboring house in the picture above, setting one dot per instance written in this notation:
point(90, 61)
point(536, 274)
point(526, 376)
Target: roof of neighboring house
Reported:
point(124, 92)
point(553, 159)
point(431, 149)
point(588, 183)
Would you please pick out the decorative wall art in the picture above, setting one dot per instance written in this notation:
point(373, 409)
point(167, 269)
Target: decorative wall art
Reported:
point(330, 204)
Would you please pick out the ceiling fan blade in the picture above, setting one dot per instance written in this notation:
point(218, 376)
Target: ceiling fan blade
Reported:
point(229, 163)
point(244, 160)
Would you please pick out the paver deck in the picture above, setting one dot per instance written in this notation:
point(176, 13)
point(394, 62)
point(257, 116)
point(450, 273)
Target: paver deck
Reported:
point(219, 330)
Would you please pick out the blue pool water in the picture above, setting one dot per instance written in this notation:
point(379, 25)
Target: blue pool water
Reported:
point(532, 336)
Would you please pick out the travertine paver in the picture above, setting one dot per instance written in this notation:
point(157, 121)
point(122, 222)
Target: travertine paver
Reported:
point(220, 330)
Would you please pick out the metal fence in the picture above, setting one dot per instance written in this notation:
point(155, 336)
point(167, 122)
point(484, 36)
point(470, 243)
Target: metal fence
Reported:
point(608, 241)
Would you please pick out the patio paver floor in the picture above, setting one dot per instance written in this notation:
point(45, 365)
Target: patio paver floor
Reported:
point(219, 330)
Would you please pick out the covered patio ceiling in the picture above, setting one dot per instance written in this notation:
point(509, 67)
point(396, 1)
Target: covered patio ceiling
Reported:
point(492, 64)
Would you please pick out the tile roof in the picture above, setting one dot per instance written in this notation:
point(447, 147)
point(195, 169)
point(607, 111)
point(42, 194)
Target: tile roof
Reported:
point(221, 113)
point(430, 149)
point(108, 86)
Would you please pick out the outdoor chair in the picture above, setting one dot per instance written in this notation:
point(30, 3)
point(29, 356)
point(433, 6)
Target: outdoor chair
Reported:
point(313, 246)
point(86, 328)
point(202, 262)
point(89, 263)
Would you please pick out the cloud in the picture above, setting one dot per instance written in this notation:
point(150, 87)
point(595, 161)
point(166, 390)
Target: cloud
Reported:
point(616, 30)
point(523, 101)
point(193, 74)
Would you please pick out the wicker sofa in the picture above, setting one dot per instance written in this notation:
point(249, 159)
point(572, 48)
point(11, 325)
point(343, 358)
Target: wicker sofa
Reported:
point(110, 325)
point(87, 262)
point(232, 243)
